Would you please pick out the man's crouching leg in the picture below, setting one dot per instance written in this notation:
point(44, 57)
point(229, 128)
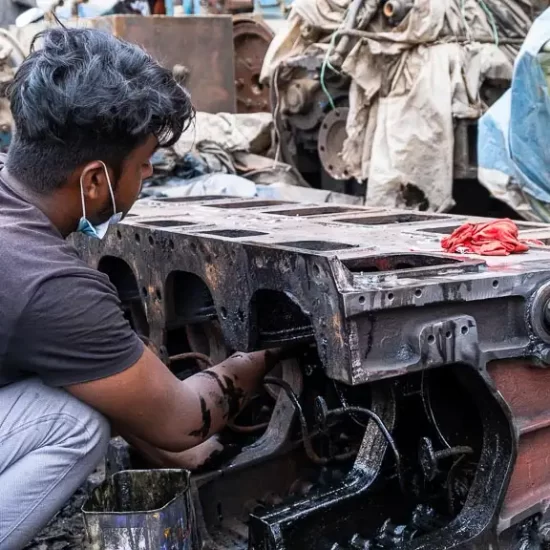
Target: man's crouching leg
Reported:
point(49, 443)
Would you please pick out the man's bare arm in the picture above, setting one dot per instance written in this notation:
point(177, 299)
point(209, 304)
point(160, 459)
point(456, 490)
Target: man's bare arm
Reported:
point(149, 402)
point(190, 459)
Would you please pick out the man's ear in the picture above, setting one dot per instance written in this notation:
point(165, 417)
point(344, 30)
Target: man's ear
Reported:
point(94, 182)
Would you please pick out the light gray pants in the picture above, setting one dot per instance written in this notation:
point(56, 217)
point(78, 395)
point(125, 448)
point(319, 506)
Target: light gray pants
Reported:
point(49, 443)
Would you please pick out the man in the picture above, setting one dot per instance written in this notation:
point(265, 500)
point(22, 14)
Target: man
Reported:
point(89, 112)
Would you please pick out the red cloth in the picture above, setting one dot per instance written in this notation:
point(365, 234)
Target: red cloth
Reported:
point(498, 238)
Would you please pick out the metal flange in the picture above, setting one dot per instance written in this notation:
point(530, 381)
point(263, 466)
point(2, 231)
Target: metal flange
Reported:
point(332, 135)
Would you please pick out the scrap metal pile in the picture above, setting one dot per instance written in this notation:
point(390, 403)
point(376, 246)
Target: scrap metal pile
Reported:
point(389, 93)
point(419, 417)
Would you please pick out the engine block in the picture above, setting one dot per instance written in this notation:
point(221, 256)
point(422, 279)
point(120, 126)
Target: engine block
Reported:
point(420, 417)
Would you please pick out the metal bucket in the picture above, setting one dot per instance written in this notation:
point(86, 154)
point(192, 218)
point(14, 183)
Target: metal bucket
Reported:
point(142, 510)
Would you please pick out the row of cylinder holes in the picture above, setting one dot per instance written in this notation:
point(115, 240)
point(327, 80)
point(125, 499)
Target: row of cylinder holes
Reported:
point(417, 293)
point(152, 240)
point(223, 311)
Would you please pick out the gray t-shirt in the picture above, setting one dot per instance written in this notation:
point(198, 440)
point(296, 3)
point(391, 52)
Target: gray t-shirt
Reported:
point(59, 319)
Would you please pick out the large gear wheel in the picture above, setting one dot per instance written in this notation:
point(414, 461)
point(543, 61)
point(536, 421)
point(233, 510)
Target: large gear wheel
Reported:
point(251, 39)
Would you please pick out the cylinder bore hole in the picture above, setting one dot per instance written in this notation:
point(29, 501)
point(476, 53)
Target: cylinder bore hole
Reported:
point(316, 270)
point(464, 330)
point(171, 244)
point(390, 296)
point(431, 339)
point(362, 299)
point(448, 334)
point(418, 293)
point(158, 294)
point(151, 240)
point(137, 237)
point(495, 283)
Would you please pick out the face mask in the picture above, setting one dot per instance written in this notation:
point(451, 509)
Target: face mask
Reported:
point(98, 231)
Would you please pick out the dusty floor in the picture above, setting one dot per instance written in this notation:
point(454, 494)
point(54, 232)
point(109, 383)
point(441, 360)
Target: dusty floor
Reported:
point(66, 530)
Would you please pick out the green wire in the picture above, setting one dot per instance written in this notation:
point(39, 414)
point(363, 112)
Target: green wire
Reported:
point(326, 63)
point(489, 14)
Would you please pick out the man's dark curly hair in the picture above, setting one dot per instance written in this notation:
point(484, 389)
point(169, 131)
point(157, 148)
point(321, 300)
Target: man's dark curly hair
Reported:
point(86, 95)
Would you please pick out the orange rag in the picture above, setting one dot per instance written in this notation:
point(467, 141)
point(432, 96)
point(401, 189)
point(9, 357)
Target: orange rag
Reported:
point(497, 238)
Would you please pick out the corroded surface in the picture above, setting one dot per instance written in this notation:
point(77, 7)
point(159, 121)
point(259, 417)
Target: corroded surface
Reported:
point(389, 314)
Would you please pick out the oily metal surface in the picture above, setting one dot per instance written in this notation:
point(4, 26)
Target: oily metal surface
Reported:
point(378, 292)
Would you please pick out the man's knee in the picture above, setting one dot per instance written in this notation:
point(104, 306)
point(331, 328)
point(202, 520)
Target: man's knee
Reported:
point(71, 423)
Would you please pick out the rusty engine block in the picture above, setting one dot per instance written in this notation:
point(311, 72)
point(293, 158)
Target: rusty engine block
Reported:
point(419, 418)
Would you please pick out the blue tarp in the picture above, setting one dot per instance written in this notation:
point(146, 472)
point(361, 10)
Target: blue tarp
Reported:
point(514, 134)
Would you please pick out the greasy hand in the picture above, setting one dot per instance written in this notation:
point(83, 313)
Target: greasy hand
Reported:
point(191, 459)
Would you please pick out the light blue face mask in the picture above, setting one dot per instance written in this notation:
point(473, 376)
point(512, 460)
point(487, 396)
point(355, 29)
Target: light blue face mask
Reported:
point(98, 231)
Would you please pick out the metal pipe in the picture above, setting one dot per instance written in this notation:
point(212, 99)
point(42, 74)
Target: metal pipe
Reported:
point(396, 10)
point(368, 35)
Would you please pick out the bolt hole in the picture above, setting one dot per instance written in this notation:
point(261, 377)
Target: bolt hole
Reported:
point(330, 167)
point(223, 313)
point(390, 296)
point(118, 234)
point(495, 284)
point(240, 315)
point(448, 334)
point(431, 339)
point(144, 292)
point(151, 240)
point(418, 293)
point(193, 247)
point(158, 294)
point(464, 330)
point(322, 147)
point(137, 237)
point(361, 299)
point(171, 244)
point(316, 270)
point(325, 126)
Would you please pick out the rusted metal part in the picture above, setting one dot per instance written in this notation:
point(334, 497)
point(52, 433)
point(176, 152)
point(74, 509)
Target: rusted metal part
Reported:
point(196, 42)
point(525, 387)
point(385, 308)
point(331, 141)
point(251, 38)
